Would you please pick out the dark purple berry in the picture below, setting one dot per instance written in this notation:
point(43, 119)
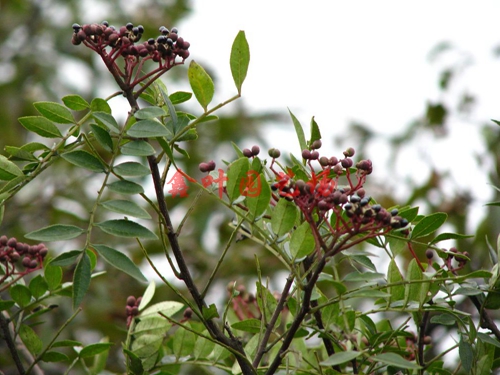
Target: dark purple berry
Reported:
point(316, 144)
point(129, 26)
point(429, 254)
point(105, 23)
point(324, 161)
point(204, 167)
point(76, 27)
point(255, 150)
point(131, 301)
point(140, 28)
point(174, 30)
point(306, 154)
point(314, 155)
point(247, 152)
point(3, 240)
point(346, 163)
point(12, 242)
point(349, 152)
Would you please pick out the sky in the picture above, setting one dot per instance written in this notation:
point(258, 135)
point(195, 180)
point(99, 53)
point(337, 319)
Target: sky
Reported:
point(360, 61)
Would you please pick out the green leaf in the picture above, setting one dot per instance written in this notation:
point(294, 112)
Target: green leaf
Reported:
point(66, 259)
point(41, 126)
point(409, 214)
point(248, 325)
point(258, 194)
point(56, 232)
point(167, 308)
point(30, 339)
point(120, 261)
point(201, 84)
point(148, 295)
point(302, 242)
point(183, 342)
point(38, 286)
point(239, 60)
point(102, 137)
point(126, 228)
point(66, 343)
point(84, 159)
point(100, 105)
point(394, 276)
point(137, 148)
point(81, 280)
point(75, 102)
point(444, 319)
point(428, 224)
point(210, 312)
point(54, 112)
point(94, 349)
point(149, 113)
point(236, 173)
point(6, 305)
point(315, 133)
point(53, 276)
point(413, 289)
point(283, 217)
point(339, 358)
point(126, 207)
point(299, 131)
point(107, 120)
point(20, 154)
point(125, 187)
point(466, 354)
point(20, 294)
point(54, 357)
point(8, 170)
point(134, 363)
point(393, 359)
point(449, 236)
point(131, 169)
point(148, 129)
point(180, 97)
point(487, 339)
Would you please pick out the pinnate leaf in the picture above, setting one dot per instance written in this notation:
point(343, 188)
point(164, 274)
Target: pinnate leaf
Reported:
point(56, 232)
point(41, 126)
point(120, 261)
point(75, 102)
point(107, 120)
point(84, 159)
point(131, 169)
point(284, 216)
point(55, 112)
point(429, 224)
point(126, 228)
point(126, 207)
point(125, 187)
point(201, 83)
point(81, 279)
point(240, 59)
point(8, 170)
point(147, 129)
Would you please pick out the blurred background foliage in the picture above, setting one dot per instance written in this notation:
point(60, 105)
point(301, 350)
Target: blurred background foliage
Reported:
point(38, 62)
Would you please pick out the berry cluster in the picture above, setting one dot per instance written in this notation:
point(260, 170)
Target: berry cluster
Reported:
point(207, 167)
point(124, 41)
point(321, 194)
point(110, 43)
point(461, 259)
point(12, 251)
point(250, 153)
point(132, 308)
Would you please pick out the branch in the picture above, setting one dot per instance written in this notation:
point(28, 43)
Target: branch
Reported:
point(4, 325)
